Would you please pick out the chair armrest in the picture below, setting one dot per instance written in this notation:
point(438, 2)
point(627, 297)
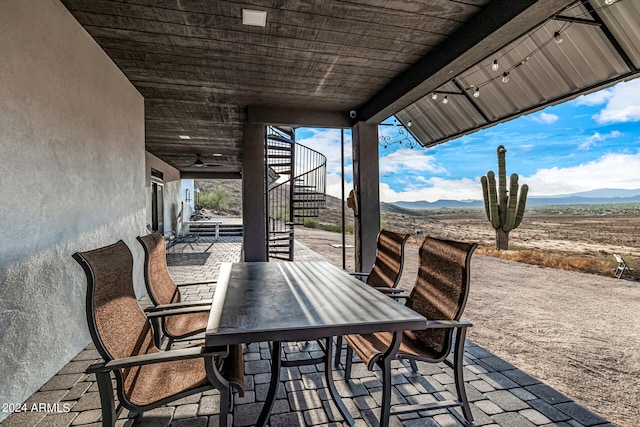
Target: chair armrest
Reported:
point(178, 311)
point(387, 290)
point(196, 283)
point(161, 307)
point(399, 296)
point(357, 273)
point(159, 357)
point(448, 324)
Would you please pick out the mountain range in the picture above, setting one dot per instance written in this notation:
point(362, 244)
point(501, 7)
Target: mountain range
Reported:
point(603, 195)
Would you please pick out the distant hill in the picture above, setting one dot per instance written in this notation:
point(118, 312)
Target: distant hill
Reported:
point(580, 200)
point(390, 207)
point(604, 195)
point(440, 204)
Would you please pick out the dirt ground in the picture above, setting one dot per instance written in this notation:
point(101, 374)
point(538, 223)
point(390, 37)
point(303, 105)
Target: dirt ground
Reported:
point(577, 332)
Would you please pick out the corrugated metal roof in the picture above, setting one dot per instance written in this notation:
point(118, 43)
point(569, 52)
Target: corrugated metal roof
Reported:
point(600, 46)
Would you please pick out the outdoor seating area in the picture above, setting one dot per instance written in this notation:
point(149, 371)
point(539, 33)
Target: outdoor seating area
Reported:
point(112, 111)
point(299, 394)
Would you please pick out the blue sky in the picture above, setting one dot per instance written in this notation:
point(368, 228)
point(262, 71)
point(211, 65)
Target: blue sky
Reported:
point(588, 143)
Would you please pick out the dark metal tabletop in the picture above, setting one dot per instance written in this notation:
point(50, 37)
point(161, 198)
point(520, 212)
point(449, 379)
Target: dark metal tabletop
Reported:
point(296, 301)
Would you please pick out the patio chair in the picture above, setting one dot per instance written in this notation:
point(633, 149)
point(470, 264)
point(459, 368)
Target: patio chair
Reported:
point(386, 272)
point(622, 268)
point(146, 377)
point(440, 294)
point(165, 294)
point(387, 267)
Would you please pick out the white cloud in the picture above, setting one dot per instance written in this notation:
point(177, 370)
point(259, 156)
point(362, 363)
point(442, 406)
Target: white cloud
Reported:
point(406, 160)
point(597, 137)
point(334, 186)
point(327, 142)
point(622, 104)
point(596, 98)
point(609, 171)
point(545, 118)
point(435, 189)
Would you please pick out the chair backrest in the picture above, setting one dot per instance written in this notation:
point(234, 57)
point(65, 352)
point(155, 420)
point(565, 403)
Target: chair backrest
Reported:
point(442, 288)
point(160, 286)
point(387, 268)
point(118, 326)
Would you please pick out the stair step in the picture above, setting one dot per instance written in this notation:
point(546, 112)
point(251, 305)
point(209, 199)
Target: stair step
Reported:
point(308, 197)
point(279, 252)
point(282, 245)
point(277, 167)
point(276, 239)
point(279, 138)
point(284, 172)
point(279, 148)
point(279, 156)
point(308, 213)
point(279, 257)
point(309, 203)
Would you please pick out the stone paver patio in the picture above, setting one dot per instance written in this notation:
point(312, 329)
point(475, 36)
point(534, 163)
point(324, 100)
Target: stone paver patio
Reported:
point(501, 394)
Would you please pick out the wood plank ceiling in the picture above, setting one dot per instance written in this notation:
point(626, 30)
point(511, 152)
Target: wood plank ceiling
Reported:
point(198, 67)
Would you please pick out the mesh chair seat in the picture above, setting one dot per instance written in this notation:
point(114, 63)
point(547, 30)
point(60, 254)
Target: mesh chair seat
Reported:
point(387, 267)
point(162, 290)
point(370, 347)
point(186, 325)
point(149, 384)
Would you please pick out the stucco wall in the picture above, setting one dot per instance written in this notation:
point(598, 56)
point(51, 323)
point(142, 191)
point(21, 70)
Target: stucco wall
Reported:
point(173, 190)
point(72, 165)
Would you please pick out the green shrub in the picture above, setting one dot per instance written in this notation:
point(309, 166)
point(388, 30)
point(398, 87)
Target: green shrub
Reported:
point(310, 223)
point(218, 199)
point(334, 228)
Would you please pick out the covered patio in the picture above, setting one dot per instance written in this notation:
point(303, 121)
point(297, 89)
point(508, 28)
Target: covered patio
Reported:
point(108, 109)
point(499, 392)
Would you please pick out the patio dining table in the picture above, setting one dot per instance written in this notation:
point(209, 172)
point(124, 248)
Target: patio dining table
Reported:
point(300, 301)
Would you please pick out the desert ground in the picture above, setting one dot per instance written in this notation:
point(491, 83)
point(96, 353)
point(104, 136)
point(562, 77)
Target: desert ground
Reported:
point(575, 331)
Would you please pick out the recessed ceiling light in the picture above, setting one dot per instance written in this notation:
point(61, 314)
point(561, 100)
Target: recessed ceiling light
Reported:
point(217, 155)
point(256, 18)
point(184, 137)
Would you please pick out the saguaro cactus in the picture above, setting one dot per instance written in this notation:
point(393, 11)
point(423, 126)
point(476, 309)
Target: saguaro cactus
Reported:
point(504, 210)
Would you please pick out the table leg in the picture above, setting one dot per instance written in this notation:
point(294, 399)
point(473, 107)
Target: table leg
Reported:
point(273, 385)
point(385, 364)
point(328, 374)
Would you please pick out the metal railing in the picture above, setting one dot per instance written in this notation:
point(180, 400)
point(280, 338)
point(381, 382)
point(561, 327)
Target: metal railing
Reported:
point(296, 177)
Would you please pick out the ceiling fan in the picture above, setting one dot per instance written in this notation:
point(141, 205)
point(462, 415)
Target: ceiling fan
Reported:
point(199, 163)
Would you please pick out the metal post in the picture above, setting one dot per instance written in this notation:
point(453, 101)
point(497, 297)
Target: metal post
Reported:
point(344, 249)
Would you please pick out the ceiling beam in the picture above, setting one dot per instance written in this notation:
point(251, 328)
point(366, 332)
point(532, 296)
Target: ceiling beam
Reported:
point(283, 116)
point(497, 24)
point(609, 35)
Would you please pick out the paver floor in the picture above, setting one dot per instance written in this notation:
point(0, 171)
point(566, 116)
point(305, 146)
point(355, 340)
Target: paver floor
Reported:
point(500, 394)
